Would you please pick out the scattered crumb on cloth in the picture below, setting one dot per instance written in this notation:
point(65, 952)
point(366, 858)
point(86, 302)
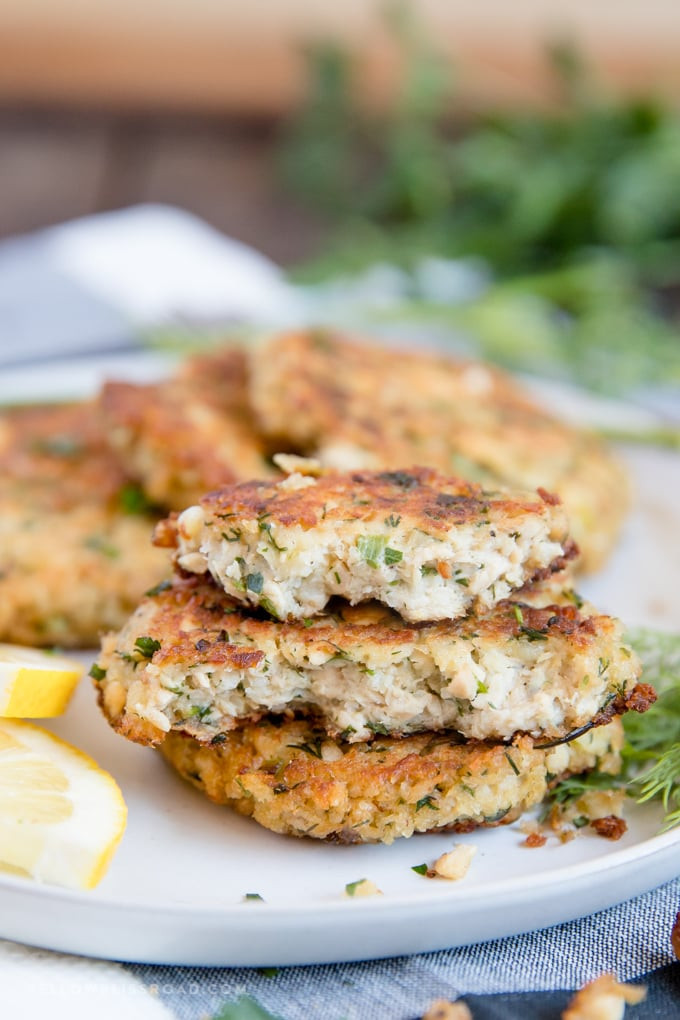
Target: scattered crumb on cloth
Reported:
point(603, 999)
point(442, 1009)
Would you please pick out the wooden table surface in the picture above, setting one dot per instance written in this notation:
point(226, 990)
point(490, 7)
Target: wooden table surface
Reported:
point(55, 165)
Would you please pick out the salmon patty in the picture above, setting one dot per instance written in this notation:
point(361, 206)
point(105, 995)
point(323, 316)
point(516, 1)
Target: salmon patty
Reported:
point(428, 546)
point(291, 778)
point(193, 659)
point(75, 549)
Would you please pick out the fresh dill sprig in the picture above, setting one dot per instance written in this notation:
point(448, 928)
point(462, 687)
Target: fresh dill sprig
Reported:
point(663, 780)
point(653, 738)
point(575, 786)
point(656, 731)
point(651, 753)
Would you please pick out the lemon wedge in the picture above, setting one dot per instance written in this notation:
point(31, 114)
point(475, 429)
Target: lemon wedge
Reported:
point(35, 684)
point(61, 816)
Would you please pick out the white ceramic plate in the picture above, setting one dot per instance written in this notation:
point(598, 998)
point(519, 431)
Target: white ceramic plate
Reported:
point(174, 893)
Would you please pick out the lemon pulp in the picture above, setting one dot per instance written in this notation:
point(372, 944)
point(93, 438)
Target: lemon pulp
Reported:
point(61, 816)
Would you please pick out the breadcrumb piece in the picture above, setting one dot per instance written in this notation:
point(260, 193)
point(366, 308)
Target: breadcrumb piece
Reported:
point(454, 864)
point(588, 808)
point(610, 827)
point(599, 803)
point(442, 1009)
point(534, 834)
point(296, 481)
point(290, 463)
point(535, 839)
point(603, 999)
point(364, 887)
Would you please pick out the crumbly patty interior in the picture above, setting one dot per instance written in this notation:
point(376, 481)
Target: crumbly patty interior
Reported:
point(428, 546)
point(191, 659)
point(291, 778)
point(362, 406)
point(75, 550)
point(189, 434)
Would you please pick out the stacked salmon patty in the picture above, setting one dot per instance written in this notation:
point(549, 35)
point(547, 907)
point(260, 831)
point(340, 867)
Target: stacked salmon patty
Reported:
point(361, 656)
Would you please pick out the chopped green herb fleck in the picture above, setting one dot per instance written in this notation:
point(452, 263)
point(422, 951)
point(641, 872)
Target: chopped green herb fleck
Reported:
point(253, 896)
point(233, 535)
point(200, 710)
point(534, 635)
point(268, 972)
point(426, 570)
point(420, 869)
point(158, 588)
point(375, 551)
point(352, 887)
point(393, 520)
point(312, 747)
point(512, 763)
point(126, 657)
point(379, 728)
point(269, 607)
point(372, 549)
point(132, 499)
point(573, 597)
point(147, 646)
point(518, 615)
point(254, 583)
point(96, 672)
point(427, 801)
point(496, 817)
point(267, 528)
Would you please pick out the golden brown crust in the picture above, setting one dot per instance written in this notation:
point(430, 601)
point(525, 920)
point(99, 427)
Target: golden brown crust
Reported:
point(421, 496)
point(193, 620)
point(74, 556)
point(189, 434)
point(290, 778)
point(55, 457)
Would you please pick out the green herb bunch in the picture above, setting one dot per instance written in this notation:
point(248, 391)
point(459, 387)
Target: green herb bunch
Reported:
point(653, 739)
point(576, 212)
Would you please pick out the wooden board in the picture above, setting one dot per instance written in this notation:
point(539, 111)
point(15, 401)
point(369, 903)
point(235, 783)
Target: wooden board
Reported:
point(220, 55)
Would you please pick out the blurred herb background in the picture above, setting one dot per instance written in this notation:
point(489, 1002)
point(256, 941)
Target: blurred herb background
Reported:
point(571, 218)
